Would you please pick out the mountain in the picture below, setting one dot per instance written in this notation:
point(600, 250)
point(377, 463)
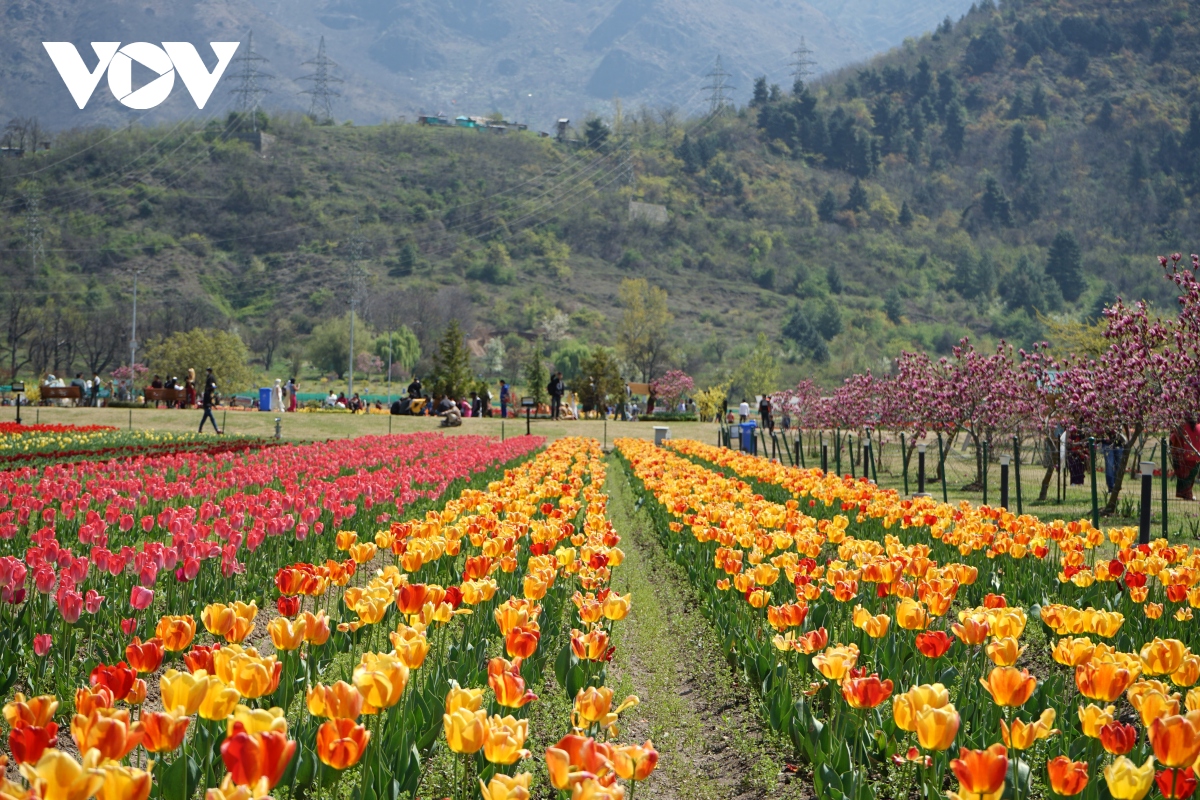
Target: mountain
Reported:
point(535, 62)
point(1027, 162)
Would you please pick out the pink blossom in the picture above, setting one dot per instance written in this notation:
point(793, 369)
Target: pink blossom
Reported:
point(140, 598)
point(42, 643)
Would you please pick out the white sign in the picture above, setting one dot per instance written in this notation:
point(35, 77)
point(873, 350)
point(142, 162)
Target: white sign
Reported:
point(117, 61)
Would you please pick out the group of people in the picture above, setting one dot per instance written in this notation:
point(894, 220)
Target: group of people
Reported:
point(766, 414)
point(89, 390)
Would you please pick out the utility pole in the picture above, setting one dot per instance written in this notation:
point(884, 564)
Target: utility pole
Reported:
point(250, 89)
point(356, 250)
point(719, 87)
point(133, 328)
point(33, 228)
point(803, 66)
point(321, 107)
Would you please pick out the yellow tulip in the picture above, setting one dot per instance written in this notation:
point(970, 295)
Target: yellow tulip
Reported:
point(182, 692)
point(937, 727)
point(219, 700)
point(381, 678)
point(907, 707)
point(504, 739)
point(1092, 718)
point(57, 776)
point(125, 783)
point(258, 720)
point(1127, 781)
point(465, 730)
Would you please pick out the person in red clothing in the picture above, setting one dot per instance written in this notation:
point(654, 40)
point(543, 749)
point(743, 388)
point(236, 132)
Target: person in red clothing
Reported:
point(1185, 453)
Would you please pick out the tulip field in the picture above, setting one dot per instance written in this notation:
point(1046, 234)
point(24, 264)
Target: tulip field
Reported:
point(375, 619)
point(303, 621)
point(41, 445)
point(912, 648)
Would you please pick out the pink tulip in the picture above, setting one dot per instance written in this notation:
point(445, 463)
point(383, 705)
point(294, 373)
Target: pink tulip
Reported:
point(70, 605)
point(128, 626)
point(140, 598)
point(147, 523)
point(92, 601)
point(44, 579)
point(42, 643)
point(148, 574)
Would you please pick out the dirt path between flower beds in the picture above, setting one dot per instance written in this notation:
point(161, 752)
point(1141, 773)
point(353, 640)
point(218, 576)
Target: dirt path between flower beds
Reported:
point(711, 742)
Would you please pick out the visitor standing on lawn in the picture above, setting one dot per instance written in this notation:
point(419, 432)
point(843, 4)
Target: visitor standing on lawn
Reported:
point(209, 399)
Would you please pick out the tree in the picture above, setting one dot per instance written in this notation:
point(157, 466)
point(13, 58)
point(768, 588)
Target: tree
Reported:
point(806, 336)
point(405, 349)
point(451, 376)
point(595, 133)
point(599, 379)
point(569, 357)
point(829, 321)
point(536, 373)
point(906, 216)
point(1028, 287)
point(1065, 265)
point(406, 261)
point(955, 132)
point(984, 51)
point(1020, 148)
point(858, 197)
point(893, 306)
point(672, 388)
point(995, 203)
point(759, 372)
point(827, 207)
point(368, 363)
point(761, 94)
point(644, 331)
point(199, 349)
point(833, 277)
point(329, 345)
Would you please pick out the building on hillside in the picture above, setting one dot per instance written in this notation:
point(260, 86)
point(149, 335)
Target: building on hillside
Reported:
point(477, 123)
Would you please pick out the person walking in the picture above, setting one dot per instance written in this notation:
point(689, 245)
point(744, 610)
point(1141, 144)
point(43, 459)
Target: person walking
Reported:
point(277, 396)
point(291, 394)
point(189, 388)
point(208, 400)
point(744, 411)
point(556, 388)
point(505, 399)
point(94, 400)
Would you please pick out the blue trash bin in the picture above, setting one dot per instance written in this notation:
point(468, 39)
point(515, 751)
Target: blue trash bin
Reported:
point(264, 399)
point(749, 442)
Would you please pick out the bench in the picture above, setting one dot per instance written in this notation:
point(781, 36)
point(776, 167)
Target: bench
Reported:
point(243, 402)
point(156, 396)
point(49, 393)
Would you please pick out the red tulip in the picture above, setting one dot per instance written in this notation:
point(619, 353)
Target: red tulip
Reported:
point(42, 643)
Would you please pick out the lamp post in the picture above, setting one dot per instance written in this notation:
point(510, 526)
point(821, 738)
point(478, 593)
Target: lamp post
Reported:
point(18, 388)
point(921, 469)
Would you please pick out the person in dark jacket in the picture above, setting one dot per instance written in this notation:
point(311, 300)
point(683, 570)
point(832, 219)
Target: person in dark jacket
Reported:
point(208, 400)
point(556, 389)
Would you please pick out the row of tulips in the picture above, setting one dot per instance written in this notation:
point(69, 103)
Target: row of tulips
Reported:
point(833, 618)
point(332, 706)
point(94, 548)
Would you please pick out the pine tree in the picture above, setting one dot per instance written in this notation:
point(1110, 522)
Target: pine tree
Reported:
point(834, 279)
point(537, 376)
point(827, 207)
point(1037, 103)
point(829, 323)
point(858, 197)
point(955, 133)
point(1020, 148)
point(893, 306)
point(802, 332)
point(906, 216)
point(1065, 265)
point(995, 203)
point(761, 95)
point(452, 375)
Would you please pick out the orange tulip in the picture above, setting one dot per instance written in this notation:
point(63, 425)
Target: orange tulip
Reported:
point(1072, 652)
point(1067, 778)
point(251, 758)
point(1104, 681)
point(176, 633)
point(971, 631)
point(505, 787)
point(837, 661)
point(592, 646)
point(144, 656)
point(1022, 735)
point(164, 731)
point(1004, 652)
point(339, 701)
point(981, 772)
point(507, 684)
point(867, 692)
point(1162, 656)
point(107, 730)
point(58, 776)
point(122, 783)
point(633, 762)
point(1009, 686)
point(341, 742)
point(1092, 718)
point(933, 644)
point(911, 615)
point(522, 641)
point(286, 634)
point(906, 707)
point(36, 711)
point(89, 699)
point(1118, 738)
point(937, 727)
point(411, 645)
point(1176, 739)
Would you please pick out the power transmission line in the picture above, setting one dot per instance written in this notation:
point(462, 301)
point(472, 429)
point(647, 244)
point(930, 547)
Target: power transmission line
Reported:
point(250, 89)
point(33, 228)
point(803, 65)
point(719, 87)
point(321, 107)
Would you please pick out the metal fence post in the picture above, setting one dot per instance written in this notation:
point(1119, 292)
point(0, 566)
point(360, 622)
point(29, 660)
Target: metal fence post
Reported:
point(904, 462)
point(837, 452)
point(1163, 446)
point(824, 458)
point(1095, 493)
point(985, 474)
point(1144, 515)
point(850, 452)
point(1017, 472)
point(942, 470)
point(1004, 481)
point(921, 468)
point(800, 448)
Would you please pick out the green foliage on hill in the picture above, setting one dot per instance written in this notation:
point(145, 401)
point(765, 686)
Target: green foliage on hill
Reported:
point(1029, 160)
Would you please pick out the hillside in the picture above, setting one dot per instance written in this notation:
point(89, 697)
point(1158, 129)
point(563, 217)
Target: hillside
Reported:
point(533, 62)
point(1025, 161)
